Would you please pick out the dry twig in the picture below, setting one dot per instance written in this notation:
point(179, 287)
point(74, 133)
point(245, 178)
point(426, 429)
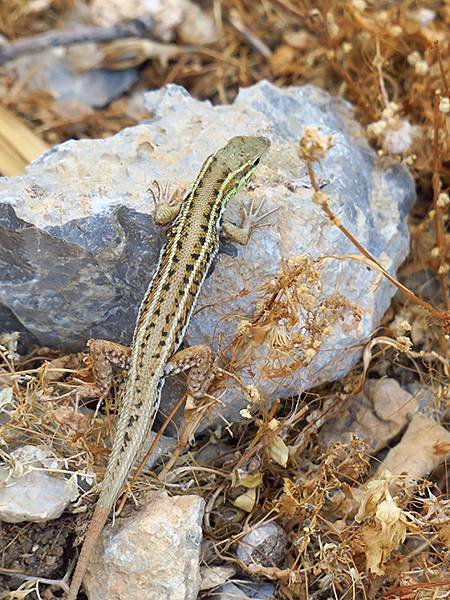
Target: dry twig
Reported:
point(75, 35)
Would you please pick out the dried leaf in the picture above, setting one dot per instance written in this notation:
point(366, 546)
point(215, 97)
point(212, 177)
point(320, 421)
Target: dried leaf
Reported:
point(70, 418)
point(388, 527)
point(278, 451)
point(252, 480)
point(246, 501)
point(369, 497)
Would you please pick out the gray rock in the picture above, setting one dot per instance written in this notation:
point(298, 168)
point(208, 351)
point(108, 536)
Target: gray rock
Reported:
point(153, 555)
point(162, 451)
point(245, 590)
point(264, 545)
point(56, 76)
point(28, 492)
point(78, 243)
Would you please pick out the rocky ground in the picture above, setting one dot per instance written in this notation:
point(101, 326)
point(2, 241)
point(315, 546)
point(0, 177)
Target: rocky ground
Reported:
point(317, 466)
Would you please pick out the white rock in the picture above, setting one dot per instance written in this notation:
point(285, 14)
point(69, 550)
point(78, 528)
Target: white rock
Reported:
point(170, 17)
point(28, 492)
point(153, 555)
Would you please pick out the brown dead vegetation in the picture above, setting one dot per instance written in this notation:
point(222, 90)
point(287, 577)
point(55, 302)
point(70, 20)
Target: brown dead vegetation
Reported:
point(354, 532)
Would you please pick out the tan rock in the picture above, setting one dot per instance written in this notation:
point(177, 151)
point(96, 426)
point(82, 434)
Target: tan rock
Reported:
point(153, 555)
point(378, 415)
point(424, 446)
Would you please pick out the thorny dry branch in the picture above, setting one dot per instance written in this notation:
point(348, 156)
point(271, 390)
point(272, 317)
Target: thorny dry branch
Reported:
point(320, 197)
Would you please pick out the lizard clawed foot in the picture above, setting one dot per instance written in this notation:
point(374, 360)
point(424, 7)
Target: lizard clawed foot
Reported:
point(103, 355)
point(166, 202)
point(251, 218)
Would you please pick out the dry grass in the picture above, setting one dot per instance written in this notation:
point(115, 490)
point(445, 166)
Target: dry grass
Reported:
point(396, 72)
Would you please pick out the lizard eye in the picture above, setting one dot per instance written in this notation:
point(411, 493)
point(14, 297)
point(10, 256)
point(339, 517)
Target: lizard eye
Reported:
point(257, 161)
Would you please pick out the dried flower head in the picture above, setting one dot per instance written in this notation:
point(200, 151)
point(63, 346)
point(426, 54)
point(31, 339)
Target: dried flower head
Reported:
point(414, 58)
point(444, 104)
point(395, 134)
point(421, 67)
point(252, 393)
point(423, 16)
point(244, 326)
point(395, 30)
point(245, 413)
point(435, 252)
point(443, 200)
point(398, 136)
point(314, 145)
point(360, 5)
point(405, 343)
point(400, 325)
point(376, 129)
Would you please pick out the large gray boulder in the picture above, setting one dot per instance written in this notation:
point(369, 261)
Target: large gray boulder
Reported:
point(78, 243)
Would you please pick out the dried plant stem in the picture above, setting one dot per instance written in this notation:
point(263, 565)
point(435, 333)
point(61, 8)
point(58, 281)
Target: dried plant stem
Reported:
point(438, 212)
point(290, 8)
point(360, 96)
point(259, 440)
point(24, 577)
point(252, 39)
point(412, 589)
point(75, 35)
point(378, 63)
point(442, 316)
point(437, 51)
point(387, 341)
point(192, 418)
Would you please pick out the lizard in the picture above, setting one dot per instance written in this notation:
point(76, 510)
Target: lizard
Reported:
point(191, 245)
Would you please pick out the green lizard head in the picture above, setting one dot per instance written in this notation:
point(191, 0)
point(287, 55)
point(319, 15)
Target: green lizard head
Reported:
point(239, 159)
point(242, 154)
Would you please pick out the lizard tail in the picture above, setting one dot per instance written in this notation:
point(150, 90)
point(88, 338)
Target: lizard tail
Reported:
point(94, 530)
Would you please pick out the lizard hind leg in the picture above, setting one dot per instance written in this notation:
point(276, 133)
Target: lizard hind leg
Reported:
point(103, 355)
point(200, 362)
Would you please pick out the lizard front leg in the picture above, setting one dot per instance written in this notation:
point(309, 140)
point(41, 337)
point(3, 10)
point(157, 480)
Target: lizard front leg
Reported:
point(167, 205)
point(250, 219)
point(167, 202)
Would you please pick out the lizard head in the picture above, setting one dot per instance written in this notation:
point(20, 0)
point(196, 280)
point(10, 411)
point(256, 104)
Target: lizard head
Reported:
point(240, 157)
point(244, 153)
